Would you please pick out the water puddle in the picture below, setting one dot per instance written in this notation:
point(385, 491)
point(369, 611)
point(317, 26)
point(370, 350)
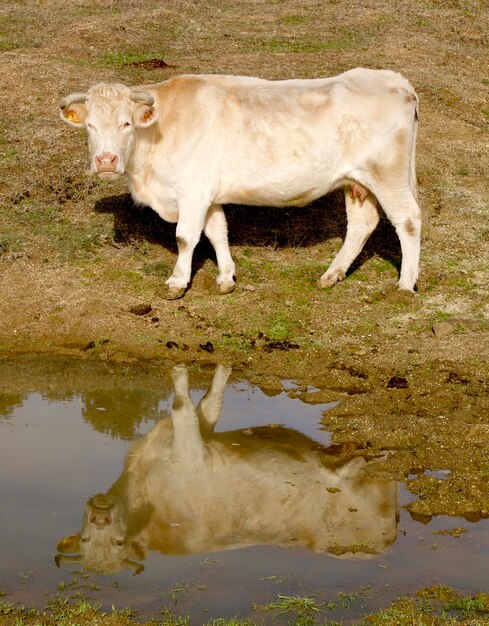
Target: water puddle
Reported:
point(206, 495)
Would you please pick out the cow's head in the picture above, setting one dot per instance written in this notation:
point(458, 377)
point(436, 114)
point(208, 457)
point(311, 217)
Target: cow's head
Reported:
point(103, 546)
point(112, 114)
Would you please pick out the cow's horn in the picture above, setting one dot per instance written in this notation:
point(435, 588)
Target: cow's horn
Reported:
point(142, 97)
point(137, 568)
point(59, 559)
point(72, 98)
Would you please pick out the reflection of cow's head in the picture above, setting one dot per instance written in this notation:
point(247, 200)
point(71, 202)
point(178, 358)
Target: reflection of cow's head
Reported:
point(112, 114)
point(102, 544)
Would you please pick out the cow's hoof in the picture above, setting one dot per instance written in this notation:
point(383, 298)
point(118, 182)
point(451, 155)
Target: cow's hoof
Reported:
point(329, 280)
point(174, 293)
point(227, 288)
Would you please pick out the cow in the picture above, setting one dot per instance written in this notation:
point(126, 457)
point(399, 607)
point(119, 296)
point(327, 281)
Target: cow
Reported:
point(192, 143)
point(186, 489)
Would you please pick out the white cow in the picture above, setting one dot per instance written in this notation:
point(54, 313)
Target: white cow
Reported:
point(195, 142)
point(186, 489)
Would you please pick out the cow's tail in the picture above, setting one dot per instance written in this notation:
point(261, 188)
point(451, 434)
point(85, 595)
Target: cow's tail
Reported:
point(413, 180)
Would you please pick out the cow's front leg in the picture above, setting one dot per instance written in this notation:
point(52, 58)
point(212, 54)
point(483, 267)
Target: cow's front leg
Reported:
point(216, 231)
point(189, 229)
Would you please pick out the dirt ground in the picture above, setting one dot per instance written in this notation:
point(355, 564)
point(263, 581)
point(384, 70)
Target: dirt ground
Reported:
point(82, 269)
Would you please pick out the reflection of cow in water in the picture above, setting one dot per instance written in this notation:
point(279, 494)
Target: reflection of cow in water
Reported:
point(186, 489)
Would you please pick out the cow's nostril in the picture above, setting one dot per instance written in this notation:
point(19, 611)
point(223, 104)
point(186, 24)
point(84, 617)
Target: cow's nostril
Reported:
point(106, 162)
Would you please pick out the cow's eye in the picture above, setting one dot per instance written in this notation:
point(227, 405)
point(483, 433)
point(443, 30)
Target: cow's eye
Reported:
point(84, 539)
point(117, 542)
point(125, 125)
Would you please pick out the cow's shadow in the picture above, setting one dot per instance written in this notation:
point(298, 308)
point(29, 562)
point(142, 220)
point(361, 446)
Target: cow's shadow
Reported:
point(269, 227)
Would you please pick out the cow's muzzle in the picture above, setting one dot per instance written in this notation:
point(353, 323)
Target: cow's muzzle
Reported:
point(106, 164)
point(100, 518)
point(99, 513)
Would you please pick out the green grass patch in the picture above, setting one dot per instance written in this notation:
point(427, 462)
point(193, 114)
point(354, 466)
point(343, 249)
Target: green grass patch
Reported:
point(304, 608)
point(294, 20)
point(279, 328)
point(123, 275)
point(236, 343)
point(117, 60)
point(472, 607)
point(234, 621)
point(307, 275)
point(10, 245)
point(8, 42)
point(433, 606)
point(159, 269)
point(97, 9)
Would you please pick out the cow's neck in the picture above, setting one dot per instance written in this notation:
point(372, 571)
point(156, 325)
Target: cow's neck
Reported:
point(142, 155)
point(130, 490)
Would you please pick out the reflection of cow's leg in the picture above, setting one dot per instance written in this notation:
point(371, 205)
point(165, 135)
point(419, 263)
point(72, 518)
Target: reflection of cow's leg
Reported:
point(209, 408)
point(187, 440)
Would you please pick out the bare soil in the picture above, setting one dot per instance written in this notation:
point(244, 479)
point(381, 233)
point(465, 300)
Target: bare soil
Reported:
point(82, 269)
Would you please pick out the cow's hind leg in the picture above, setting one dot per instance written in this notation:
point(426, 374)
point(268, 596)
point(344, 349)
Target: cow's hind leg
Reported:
point(216, 231)
point(362, 218)
point(404, 213)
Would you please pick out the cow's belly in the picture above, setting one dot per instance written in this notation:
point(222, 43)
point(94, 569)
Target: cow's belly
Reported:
point(279, 193)
point(287, 179)
point(259, 197)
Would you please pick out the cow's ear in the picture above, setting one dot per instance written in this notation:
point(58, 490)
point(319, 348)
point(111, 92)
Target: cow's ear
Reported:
point(74, 114)
point(144, 116)
point(69, 545)
point(137, 551)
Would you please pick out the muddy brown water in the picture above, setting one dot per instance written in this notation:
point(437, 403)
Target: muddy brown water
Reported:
point(219, 505)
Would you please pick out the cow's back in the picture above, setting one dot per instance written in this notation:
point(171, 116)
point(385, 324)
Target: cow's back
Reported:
point(278, 143)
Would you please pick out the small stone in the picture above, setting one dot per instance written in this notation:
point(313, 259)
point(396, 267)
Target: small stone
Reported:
point(442, 329)
point(397, 382)
point(249, 288)
point(141, 309)
point(172, 345)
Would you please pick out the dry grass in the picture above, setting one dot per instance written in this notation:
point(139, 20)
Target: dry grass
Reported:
point(77, 249)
